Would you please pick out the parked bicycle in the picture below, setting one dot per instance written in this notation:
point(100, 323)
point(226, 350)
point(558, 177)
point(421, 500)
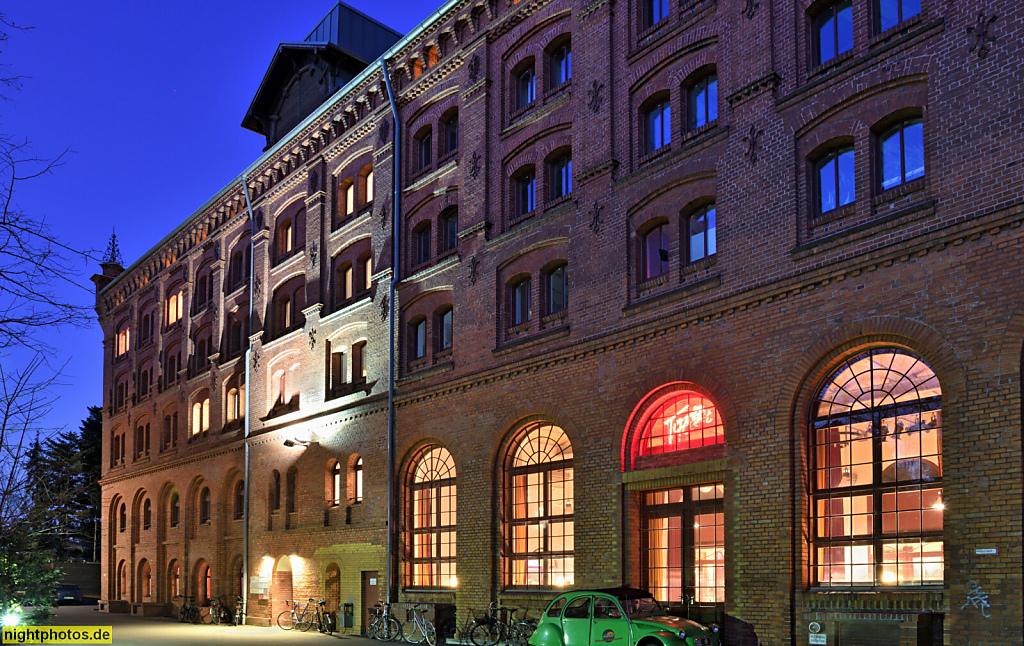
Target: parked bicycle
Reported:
point(463, 630)
point(298, 616)
point(239, 611)
point(500, 625)
point(383, 626)
point(419, 628)
point(189, 611)
point(324, 619)
point(219, 612)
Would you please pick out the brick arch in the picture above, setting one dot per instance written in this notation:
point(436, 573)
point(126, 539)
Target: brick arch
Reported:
point(417, 441)
point(1010, 352)
point(642, 395)
point(530, 39)
point(872, 103)
point(666, 199)
point(524, 414)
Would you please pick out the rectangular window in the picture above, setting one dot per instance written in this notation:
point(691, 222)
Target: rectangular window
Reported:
point(658, 126)
point(655, 252)
point(561, 177)
point(834, 31)
point(526, 194)
point(421, 239)
point(521, 302)
point(704, 101)
point(367, 273)
point(350, 199)
point(347, 283)
point(359, 362)
point(338, 369)
point(449, 231)
point(451, 134)
point(893, 12)
point(445, 339)
point(369, 187)
point(683, 548)
point(527, 85)
point(418, 342)
point(561, 65)
point(558, 293)
point(424, 153)
point(655, 11)
point(702, 234)
point(836, 181)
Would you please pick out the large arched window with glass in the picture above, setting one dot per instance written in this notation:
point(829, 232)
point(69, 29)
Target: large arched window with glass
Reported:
point(430, 525)
point(540, 533)
point(876, 459)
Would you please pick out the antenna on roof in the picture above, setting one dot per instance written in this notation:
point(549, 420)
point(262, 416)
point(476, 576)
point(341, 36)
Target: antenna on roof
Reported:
point(113, 254)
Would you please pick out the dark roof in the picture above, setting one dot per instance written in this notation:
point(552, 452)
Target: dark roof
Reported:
point(354, 32)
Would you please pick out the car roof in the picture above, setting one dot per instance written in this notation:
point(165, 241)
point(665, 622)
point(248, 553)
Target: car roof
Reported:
point(621, 593)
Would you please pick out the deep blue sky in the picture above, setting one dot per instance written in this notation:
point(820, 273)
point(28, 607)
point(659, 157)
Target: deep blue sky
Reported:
point(149, 97)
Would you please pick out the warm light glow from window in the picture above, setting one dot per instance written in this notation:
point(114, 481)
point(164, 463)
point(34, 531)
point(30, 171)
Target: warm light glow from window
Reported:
point(174, 306)
point(681, 420)
point(123, 340)
point(432, 520)
point(350, 199)
point(369, 187)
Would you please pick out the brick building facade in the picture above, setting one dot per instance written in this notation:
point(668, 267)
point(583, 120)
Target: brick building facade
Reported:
point(748, 267)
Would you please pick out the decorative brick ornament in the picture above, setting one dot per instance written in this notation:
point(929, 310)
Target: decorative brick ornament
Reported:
point(981, 39)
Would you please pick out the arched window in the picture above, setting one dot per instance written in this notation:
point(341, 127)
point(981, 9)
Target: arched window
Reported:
point(289, 499)
point(657, 124)
point(701, 233)
point(679, 420)
point(902, 153)
point(201, 415)
point(876, 461)
point(702, 105)
point(654, 252)
point(539, 496)
point(239, 500)
point(174, 513)
point(147, 514)
point(174, 576)
point(236, 403)
point(430, 525)
point(836, 179)
point(335, 484)
point(204, 506)
point(275, 491)
point(357, 480)
point(123, 341)
point(122, 518)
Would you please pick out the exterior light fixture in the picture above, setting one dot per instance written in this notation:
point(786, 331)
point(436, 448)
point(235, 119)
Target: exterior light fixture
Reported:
point(290, 442)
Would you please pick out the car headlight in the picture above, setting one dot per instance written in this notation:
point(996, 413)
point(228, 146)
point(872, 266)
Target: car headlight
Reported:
point(714, 628)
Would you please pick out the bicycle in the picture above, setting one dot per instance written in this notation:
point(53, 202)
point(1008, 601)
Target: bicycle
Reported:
point(418, 628)
point(383, 626)
point(500, 625)
point(239, 611)
point(324, 620)
point(298, 616)
point(189, 611)
point(219, 612)
point(463, 630)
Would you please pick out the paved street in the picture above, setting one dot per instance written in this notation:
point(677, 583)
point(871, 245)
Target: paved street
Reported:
point(150, 631)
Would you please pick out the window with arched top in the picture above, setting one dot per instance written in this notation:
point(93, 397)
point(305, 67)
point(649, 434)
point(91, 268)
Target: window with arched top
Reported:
point(680, 419)
point(122, 518)
point(204, 506)
point(357, 480)
point(147, 514)
point(174, 511)
point(275, 491)
point(876, 465)
point(174, 576)
point(239, 507)
point(201, 415)
point(539, 535)
point(430, 535)
point(334, 499)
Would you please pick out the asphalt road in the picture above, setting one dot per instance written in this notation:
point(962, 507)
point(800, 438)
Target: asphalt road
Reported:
point(159, 631)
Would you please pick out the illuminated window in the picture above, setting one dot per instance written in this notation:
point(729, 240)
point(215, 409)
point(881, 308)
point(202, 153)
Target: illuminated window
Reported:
point(367, 265)
point(430, 526)
point(679, 420)
point(876, 456)
point(336, 484)
point(174, 573)
point(236, 404)
point(893, 12)
point(683, 546)
point(285, 238)
point(368, 187)
point(540, 498)
point(350, 199)
point(902, 151)
point(836, 180)
point(431, 56)
point(357, 472)
point(201, 416)
point(174, 307)
point(122, 341)
point(833, 29)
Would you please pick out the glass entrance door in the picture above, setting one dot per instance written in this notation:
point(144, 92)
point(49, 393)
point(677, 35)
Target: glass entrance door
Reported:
point(683, 543)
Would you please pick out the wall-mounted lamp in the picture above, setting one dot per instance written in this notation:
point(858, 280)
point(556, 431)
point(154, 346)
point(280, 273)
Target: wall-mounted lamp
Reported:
point(290, 442)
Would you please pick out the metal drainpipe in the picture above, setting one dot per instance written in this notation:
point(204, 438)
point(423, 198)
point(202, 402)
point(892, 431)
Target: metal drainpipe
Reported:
point(395, 175)
point(248, 364)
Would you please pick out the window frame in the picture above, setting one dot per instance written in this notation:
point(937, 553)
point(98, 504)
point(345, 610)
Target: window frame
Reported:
point(560, 64)
point(439, 489)
point(899, 129)
point(880, 27)
point(831, 12)
point(709, 235)
point(552, 304)
point(560, 176)
point(519, 301)
point(526, 86)
point(665, 244)
point(657, 122)
point(833, 155)
point(702, 87)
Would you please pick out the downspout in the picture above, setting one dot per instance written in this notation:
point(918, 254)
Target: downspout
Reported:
point(395, 181)
point(248, 364)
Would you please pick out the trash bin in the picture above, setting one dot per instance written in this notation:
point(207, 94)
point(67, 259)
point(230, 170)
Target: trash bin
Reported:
point(348, 615)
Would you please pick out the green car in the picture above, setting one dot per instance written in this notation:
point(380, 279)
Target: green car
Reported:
point(617, 617)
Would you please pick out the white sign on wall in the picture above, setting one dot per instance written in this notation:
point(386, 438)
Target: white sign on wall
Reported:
point(817, 639)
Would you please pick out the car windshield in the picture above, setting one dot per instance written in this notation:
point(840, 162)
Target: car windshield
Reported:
point(645, 607)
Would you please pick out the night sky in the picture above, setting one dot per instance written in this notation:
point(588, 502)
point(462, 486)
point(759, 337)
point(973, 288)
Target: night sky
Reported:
point(148, 96)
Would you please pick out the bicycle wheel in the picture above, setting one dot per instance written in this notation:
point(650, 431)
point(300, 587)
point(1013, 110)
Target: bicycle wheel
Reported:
point(485, 634)
point(328, 623)
point(431, 633)
point(525, 630)
point(411, 632)
point(215, 615)
point(389, 630)
point(286, 620)
point(193, 614)
point(304, 623)
point(182, 613)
